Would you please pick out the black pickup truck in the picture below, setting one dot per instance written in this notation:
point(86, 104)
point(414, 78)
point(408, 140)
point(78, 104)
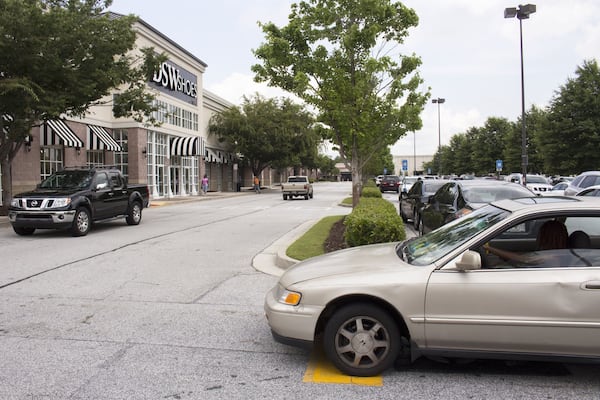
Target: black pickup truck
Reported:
point(74, 198)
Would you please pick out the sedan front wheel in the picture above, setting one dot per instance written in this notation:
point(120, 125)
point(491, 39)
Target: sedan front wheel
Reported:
point(362, 340)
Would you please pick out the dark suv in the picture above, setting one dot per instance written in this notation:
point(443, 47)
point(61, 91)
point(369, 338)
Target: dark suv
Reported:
point(390, 183)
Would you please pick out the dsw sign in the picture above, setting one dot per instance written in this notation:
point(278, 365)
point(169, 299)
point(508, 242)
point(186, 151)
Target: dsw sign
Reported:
point(176, 79)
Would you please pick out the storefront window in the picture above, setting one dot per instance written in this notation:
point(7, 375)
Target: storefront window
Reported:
point(157, 151)
point(95, 158)
point(51, 160)
point(122, 157)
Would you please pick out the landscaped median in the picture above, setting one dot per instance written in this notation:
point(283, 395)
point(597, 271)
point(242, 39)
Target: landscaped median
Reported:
point(373, 220)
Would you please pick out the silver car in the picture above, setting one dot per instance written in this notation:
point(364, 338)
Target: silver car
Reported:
point(445, 294)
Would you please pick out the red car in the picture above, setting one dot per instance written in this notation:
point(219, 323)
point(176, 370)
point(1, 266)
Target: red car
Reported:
point(390, 183)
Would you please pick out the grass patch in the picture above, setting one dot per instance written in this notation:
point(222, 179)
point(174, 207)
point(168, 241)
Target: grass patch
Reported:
point(347, 201)
point(312, 243)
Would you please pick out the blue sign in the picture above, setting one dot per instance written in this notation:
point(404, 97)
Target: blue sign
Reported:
point(498, 165)
point(404, 165)
point(385, 171)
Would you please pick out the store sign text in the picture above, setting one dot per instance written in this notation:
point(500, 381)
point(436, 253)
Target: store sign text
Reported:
point(171, 77)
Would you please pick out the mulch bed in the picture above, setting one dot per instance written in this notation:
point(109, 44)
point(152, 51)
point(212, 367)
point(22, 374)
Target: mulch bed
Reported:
point(336, 241)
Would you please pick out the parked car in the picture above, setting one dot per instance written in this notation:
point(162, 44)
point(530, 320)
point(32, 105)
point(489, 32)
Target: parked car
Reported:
point(537, 183)
point(390, 183)
point(412, 203)
point(378, 179)
point(590, 191)
point(443, 296)
point(458, 198)
point(407, 183)
point(558, 189)
point(582, 181)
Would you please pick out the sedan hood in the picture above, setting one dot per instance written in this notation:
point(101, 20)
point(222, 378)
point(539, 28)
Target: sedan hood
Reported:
point(372, 258)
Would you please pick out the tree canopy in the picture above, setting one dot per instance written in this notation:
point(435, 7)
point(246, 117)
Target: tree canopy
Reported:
point(268, 132)
point(339, 57)
point(562, 139)
point(60, 57)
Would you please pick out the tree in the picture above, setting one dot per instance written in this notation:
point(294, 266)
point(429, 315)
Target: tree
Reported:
point(60, 57)
point(379, 162)
point(337, 55)
point(268, 132)
point(570, 142)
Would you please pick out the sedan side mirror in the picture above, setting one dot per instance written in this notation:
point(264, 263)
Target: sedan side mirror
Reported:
point(470, 260)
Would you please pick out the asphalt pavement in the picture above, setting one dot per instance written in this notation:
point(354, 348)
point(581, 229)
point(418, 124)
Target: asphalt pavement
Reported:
point(272, 260)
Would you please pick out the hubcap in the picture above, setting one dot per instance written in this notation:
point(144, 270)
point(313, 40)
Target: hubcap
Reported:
point(362, 342)
point(83, 221)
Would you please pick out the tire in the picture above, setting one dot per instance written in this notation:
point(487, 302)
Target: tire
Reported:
point(23, 231)
point(312, 195)
point(285, 197)
point(306, 197)
point(416, 219)
point(404, 219)
point(362, 340)
point(134, 215)
point(82, 222)
point(421, 227)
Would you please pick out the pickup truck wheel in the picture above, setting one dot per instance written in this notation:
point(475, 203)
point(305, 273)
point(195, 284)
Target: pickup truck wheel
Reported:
point(134, 216)
point(82, 222)
point(306, 197)
point(285, 196)
point(362, 340)
point(23, 231)
point(311, 195)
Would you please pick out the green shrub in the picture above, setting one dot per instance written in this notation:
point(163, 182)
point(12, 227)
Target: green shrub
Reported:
point(373, 220)
point(370, 183)
point(371, 192)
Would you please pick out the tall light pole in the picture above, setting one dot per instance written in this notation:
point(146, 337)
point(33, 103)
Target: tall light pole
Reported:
point(414, 153)
point(522, 12)
point(439, 101)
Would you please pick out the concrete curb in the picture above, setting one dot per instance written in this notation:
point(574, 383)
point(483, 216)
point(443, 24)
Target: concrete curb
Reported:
point(273, 260)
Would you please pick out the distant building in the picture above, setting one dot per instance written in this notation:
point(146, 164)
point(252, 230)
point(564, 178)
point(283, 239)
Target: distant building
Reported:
point(415, 164)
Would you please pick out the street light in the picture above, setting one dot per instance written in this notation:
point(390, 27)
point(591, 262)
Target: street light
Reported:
point(439, 101)
point(522, 12)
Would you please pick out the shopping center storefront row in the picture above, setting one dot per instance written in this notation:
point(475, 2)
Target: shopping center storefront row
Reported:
point(171, 158)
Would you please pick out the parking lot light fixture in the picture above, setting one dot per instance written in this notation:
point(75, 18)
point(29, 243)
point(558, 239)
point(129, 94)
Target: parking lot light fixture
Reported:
point(522, 12)
point(439, 101)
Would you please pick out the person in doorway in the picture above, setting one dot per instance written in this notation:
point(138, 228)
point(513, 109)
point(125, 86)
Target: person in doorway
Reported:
point(256, 184)
point(204, 184)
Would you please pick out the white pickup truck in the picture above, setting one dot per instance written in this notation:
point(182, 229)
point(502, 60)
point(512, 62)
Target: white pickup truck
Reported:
point(297, 185)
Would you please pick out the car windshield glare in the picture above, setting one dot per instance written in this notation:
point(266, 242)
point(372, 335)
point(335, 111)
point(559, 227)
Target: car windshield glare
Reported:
point(493, 193)
point(428, 248)
point(67, 180)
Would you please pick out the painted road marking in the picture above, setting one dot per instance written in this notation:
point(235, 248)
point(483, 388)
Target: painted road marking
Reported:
point(319, 370)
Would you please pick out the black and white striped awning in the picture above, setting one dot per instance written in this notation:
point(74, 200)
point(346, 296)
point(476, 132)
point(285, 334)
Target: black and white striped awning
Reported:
point(186, 146)
point(212, 156)
point(100, 139)
point(59, 133)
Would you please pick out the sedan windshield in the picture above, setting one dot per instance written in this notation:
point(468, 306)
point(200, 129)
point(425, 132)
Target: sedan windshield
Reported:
point(429, 248)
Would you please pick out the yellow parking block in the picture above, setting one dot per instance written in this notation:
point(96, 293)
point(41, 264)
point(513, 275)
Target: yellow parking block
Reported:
point(319, 370)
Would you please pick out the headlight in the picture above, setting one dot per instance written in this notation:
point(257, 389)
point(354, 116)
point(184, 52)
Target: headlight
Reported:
point(288, 297)
point(60, 202)
point(15, 202)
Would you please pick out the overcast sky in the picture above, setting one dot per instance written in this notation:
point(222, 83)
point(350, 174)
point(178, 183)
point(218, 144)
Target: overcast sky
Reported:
point(470, 52)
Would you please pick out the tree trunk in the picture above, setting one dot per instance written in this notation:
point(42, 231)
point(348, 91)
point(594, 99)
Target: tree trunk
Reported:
point(6, 186)
point(356, 182)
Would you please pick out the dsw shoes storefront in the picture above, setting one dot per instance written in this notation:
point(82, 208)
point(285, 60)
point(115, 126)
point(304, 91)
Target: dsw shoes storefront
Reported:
point(171, 158)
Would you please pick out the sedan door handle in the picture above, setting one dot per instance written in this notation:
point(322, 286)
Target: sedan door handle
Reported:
point(594, 285)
